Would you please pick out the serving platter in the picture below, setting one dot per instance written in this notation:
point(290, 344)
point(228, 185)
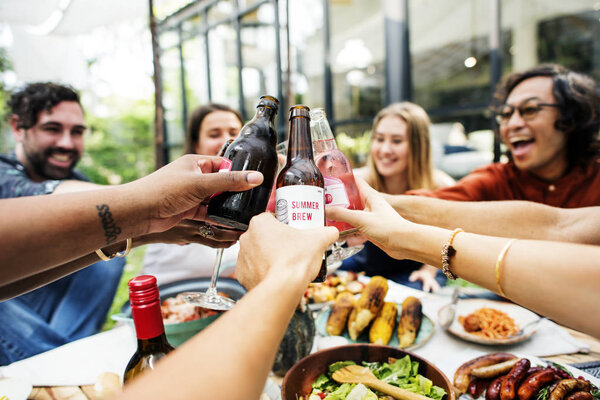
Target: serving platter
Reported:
point(521, 316)
point(536, 361)
point(425, 331)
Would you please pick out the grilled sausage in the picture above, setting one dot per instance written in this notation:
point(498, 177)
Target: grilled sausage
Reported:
point(534, 383)
point(532, 370)
point(493, 390)
point(477, 386)
point(568, 385)
point(508, 389)
point(462, 375)
point(580, 395)
point(491, 371)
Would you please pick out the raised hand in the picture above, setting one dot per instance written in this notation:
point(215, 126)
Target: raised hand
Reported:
point(271, 248)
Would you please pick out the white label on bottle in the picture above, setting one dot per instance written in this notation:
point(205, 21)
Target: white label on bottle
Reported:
point(335, 192)
point(300, 206)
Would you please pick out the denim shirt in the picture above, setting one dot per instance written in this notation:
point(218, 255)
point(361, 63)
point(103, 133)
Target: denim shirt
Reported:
point(14, 181)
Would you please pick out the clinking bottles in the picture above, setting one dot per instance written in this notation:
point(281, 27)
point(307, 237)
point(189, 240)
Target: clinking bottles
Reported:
point(340, 186)
point(300, 195)
point(149, 328)
point(254, 149)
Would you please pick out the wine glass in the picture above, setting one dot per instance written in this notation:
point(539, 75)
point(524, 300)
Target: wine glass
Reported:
point(340, 252)
point(210, 299)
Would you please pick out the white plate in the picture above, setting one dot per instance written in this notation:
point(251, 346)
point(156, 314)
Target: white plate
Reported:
point(15, 388)
point(522, 316)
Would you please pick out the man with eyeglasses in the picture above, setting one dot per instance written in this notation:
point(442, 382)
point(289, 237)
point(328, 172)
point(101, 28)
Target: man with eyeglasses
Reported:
point(48, 124)
point(549, 118)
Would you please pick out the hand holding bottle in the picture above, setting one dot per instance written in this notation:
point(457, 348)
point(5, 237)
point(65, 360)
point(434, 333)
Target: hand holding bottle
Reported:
point(176, 191)
point(274, 249)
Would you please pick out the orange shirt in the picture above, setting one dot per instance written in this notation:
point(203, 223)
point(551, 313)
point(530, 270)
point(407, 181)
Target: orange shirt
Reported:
point(579, 188)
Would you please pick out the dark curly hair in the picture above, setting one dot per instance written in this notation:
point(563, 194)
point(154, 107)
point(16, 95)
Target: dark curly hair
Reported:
point(195, 122)
point(578, 97)
point(27, 103)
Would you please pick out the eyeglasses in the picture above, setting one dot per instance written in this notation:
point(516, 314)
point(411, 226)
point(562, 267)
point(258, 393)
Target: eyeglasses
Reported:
point(527, 111)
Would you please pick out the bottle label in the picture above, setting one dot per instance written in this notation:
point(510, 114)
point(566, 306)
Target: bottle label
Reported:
point(300, 206)
point(225, 166)
point(335, 192)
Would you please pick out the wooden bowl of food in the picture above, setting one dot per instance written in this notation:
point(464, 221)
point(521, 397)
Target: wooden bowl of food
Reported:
point(298, 382)
point(182, 321)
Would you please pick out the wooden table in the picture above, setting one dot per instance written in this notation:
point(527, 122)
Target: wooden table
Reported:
point(88, 392)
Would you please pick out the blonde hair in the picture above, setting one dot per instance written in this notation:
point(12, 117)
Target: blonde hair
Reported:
point(419, 163)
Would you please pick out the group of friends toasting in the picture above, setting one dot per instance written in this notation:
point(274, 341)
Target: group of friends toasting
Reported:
point(525, 229)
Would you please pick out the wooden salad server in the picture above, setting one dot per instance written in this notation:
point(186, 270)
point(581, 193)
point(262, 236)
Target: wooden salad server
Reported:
point(358, 374)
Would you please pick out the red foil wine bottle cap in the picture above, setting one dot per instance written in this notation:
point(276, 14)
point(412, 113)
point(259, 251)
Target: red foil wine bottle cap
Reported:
point(145, 307)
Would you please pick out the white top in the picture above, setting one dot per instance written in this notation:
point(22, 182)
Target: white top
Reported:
point(172, 262)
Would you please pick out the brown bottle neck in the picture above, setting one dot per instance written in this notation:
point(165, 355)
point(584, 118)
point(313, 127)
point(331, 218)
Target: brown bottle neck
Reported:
point(300, 141)
point(266, 113)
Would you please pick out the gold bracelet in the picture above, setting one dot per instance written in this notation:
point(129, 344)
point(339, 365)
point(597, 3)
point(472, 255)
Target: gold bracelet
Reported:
point(499, 262)
point(104, 257)
point(447, 252)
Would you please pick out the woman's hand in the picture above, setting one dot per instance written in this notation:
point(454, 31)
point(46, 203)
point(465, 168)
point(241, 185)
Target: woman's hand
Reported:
point(272, 248)
point(176, 191)
point(379, 222)
point(426, 274)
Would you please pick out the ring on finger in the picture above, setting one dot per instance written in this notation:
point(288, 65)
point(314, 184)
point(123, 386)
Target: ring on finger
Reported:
point(206, 231)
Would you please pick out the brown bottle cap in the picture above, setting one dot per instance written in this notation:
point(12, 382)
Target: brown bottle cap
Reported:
point(299, 110)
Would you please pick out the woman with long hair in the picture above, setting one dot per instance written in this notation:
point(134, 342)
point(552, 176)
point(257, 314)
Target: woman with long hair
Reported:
point(400, 160)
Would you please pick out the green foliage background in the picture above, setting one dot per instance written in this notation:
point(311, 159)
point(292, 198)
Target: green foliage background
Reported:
point(120, 148)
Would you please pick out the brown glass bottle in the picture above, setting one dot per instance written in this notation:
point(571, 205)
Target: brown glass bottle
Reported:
point(300, 196)
point(150, 331)
point(254, 149)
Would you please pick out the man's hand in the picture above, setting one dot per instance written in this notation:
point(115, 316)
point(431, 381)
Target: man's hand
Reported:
point(176, 191)
point(271, 248)
point(377, 222)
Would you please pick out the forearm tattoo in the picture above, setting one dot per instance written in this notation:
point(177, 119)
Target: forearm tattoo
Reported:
point(111, 230)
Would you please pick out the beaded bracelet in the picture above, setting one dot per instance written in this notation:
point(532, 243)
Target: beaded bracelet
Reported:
point(104, 257)
point(447, 252)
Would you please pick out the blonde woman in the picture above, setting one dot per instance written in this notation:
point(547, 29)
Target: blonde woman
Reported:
point(400, 160)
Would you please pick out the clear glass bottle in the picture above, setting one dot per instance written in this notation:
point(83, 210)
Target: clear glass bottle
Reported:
point(340, 186)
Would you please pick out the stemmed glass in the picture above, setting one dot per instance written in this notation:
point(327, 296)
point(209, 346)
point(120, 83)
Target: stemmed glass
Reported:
point(338, 252)
point(211, 299)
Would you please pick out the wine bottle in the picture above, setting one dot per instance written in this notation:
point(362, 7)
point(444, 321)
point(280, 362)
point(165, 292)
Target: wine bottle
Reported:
point(149, 328)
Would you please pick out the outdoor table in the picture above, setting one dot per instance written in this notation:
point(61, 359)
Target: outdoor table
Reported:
point(443, 349)
point(88, 392)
